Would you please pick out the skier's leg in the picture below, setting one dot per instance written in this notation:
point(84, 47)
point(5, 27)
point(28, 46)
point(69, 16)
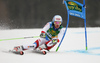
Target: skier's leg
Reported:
point(36, 44)
point(33, 46)
point(48, 45)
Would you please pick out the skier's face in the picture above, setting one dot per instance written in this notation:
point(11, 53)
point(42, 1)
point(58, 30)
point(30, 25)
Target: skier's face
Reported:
point(57, 24)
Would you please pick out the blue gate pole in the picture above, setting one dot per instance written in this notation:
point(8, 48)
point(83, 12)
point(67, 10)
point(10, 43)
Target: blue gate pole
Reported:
point(65, 29)
point(64, 33)
point(85, 26)
point(85, 33)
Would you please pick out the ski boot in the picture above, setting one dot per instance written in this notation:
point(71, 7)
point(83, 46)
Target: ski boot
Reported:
point(17, 50)
point(43, 51)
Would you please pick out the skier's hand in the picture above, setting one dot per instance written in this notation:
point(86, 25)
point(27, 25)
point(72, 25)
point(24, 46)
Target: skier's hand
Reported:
point(54, 41)
point(42, 35)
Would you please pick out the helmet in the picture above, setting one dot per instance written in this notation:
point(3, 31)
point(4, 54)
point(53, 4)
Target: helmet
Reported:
point(57, 18)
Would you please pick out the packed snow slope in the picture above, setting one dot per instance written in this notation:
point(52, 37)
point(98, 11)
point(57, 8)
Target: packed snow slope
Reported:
point(72, 49)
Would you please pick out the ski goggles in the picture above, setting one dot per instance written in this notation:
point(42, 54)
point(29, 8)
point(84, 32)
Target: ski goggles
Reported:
point(57, 22)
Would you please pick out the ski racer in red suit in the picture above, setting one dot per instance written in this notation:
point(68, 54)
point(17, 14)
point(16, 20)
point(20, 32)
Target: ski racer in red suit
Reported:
point(51, 34)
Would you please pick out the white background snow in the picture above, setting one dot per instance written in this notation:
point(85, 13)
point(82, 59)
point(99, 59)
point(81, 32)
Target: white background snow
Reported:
point(72, 49)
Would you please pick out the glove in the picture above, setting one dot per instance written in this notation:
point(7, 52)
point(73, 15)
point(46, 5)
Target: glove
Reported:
point(42, 35)
point(54, 41)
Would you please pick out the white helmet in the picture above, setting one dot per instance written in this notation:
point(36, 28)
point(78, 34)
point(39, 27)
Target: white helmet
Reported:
point(57, 18)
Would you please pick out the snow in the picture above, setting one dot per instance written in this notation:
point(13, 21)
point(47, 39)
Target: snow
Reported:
point(72, 49)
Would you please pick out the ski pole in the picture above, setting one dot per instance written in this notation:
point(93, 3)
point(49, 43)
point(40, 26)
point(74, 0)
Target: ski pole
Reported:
point(19, 38)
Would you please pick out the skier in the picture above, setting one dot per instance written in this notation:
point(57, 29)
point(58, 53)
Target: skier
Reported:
point(51, 34)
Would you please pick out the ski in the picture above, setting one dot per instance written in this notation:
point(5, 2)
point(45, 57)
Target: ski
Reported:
point(19, 52)
point(41, 52)
point(22, 53)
